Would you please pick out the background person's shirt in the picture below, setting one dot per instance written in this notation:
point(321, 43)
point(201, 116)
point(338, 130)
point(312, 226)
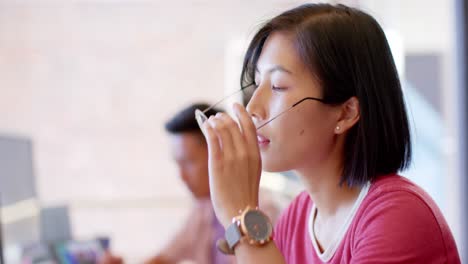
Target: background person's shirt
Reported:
point(196, 240)
point(396, 222)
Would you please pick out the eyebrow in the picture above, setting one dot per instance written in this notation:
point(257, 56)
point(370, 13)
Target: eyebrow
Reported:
point(275, 68)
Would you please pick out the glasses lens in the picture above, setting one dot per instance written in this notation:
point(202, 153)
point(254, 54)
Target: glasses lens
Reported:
point(224, 105)
point(201, 117)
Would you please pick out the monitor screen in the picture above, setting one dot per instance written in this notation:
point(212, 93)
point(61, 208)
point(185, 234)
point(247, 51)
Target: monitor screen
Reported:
point(79, 252)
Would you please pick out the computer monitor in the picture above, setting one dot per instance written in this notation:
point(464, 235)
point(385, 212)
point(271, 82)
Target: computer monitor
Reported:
point(1, 234)
point(79, 252)
point(17, 195)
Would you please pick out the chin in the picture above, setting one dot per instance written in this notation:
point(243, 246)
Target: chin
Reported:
point(274, 165)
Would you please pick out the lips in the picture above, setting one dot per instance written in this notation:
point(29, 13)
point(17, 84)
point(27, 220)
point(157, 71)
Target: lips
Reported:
point(262, 140)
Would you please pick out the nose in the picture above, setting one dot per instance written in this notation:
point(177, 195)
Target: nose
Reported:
point(255, 107)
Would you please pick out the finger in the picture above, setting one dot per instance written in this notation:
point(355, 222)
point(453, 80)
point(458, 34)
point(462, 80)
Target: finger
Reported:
point(250, 135)
point(223, 132)
point(248, 128)
point(239, 142)
point(214, 148)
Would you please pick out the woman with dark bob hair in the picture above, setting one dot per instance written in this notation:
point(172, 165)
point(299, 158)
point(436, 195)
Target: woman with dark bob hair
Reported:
point(326, 75)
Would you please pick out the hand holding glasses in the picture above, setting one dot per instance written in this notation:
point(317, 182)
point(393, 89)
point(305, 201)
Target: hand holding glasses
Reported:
point(201, 116)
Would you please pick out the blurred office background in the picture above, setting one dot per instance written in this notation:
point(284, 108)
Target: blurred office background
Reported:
point(86, 86)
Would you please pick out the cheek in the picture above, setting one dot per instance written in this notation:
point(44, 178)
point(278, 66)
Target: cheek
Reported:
point(300, 138)
point(314, 135)
point(277, 105)
point(299, 127)
point(314, 145)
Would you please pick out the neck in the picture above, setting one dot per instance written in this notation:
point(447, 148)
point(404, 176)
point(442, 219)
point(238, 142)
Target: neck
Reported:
point(323, 186)
point(202, 198)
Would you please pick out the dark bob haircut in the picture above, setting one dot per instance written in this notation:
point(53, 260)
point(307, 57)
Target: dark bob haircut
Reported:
point(184, 120)
point(347, 51)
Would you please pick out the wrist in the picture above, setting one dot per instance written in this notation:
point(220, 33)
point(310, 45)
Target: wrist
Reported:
point(232, 214)
point(250, 226)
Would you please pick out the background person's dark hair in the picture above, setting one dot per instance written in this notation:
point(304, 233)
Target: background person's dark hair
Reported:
point(184, 120)
point(347, 51)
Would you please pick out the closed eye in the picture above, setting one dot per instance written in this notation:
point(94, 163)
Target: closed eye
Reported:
point(276, 88)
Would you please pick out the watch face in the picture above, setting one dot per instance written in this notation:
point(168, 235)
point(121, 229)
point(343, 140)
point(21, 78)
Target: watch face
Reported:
point(257, 225)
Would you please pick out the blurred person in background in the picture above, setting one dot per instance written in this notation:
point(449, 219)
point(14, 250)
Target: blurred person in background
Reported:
point(195, 242)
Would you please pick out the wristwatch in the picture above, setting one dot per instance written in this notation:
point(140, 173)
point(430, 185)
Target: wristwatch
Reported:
point(252, 225)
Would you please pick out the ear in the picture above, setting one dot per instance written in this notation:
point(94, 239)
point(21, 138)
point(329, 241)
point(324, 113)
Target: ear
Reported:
point(348, 116)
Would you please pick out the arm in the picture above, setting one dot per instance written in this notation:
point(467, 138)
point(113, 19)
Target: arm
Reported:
point(247, 254)
point(234, 169)
point(160, 259)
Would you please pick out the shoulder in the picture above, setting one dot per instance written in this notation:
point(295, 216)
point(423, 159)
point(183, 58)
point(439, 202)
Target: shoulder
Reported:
point(395, 197)
point(393, 194)
point(405, 215)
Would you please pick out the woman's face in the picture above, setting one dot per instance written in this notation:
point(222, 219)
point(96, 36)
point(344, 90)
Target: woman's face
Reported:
point(303, 136)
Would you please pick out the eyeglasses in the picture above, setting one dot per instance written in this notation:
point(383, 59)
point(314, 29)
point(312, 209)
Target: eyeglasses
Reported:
point(201, 117)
